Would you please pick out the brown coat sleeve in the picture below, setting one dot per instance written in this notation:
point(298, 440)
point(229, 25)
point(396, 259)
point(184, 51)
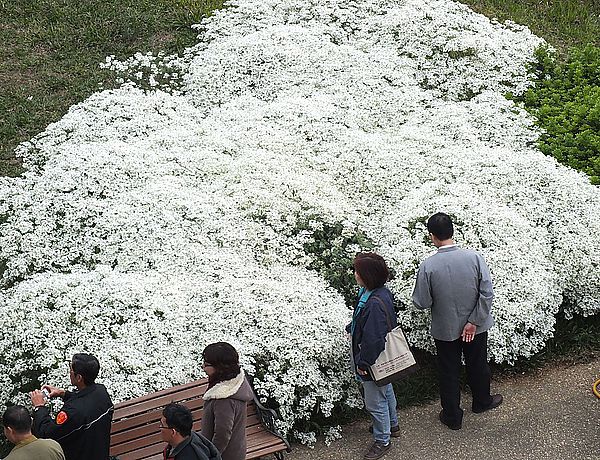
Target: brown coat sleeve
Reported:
point(224, 413)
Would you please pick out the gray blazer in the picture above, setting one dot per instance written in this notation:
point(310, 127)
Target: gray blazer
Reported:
point(456, 284)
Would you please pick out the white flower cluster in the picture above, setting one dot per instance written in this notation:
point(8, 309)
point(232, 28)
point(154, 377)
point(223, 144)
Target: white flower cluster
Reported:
point(151, 223)
point(155, 71)
point(149, 328)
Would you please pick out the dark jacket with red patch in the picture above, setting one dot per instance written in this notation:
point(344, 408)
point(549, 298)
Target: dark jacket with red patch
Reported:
point(82, 427)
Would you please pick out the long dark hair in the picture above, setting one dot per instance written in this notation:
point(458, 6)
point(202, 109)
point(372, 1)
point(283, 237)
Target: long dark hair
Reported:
point(225, 359)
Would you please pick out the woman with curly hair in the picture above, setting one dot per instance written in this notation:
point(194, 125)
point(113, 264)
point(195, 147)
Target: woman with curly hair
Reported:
point(224, 414)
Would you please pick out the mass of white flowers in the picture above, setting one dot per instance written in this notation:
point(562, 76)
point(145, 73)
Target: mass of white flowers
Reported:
point(152, 222)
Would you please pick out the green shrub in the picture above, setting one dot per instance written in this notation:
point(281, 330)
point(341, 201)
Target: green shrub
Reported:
point(565, 99)
point(333, 252)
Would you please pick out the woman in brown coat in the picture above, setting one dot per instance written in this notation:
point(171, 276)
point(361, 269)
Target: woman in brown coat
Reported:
point(224, 414)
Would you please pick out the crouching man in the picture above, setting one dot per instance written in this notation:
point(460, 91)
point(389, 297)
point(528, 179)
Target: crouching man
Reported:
point(184, 444)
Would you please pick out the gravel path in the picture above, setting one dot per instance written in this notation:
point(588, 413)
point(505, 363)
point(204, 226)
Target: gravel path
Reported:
point(550, 415)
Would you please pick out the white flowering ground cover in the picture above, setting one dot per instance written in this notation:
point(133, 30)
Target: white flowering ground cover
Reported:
point(151, 223)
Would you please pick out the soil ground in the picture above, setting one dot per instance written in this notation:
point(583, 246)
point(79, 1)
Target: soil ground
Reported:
point(552, 414)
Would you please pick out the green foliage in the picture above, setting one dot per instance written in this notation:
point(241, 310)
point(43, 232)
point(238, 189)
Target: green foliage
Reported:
point(421, 386)
point(331, 247)
point(565, 99)
point(5, 448)
point(50, 52)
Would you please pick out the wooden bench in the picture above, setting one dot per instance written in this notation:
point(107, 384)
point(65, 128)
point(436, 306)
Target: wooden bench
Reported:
point(135, 433)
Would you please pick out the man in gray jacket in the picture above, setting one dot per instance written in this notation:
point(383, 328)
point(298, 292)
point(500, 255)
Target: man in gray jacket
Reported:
point(456, 284)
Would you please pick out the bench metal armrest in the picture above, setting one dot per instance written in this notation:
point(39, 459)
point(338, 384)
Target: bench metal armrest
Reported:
point(267, 417)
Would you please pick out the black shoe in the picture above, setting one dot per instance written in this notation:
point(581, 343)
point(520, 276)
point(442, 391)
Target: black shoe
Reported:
point(377, 450)
point(394, 431)
point(496, 401)
point(452, 426)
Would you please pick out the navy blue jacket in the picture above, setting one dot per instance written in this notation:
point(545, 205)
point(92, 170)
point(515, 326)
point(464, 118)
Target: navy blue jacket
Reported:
point(368, 340)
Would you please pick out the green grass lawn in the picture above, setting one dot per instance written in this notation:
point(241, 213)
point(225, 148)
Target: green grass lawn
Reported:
point(563, 23)
point(50, 51)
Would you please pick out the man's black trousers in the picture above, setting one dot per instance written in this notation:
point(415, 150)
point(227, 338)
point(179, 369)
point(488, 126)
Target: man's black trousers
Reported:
point(478, 374)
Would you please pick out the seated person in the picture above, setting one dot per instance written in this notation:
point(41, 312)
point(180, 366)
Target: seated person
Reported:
point(182, 443)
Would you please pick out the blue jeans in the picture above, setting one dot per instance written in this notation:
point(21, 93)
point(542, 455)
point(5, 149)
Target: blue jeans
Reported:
point(380, 402)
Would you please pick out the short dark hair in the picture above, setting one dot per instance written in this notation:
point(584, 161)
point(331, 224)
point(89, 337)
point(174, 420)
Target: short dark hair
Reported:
point(17, 418)
point(87, 366)
point(224, 358)
point(179, 418)
point(372, 269)
point(440, 226)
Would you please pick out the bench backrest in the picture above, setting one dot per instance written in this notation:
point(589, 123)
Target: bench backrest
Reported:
point(135, 433)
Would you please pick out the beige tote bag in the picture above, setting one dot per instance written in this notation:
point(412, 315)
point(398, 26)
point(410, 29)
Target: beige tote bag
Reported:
point(396, 361)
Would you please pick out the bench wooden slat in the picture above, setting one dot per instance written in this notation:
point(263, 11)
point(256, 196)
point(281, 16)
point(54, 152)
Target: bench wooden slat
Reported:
point(265, 451)
point(263, 438)
point(251, 454)
point(158, 394)
point(135, 434)
point(120, 428)
point(254, 429)
point(150, 434)
point(159, 402)
point(153, 450)
point(145, 403)
point(265, 444)
point(140, 449)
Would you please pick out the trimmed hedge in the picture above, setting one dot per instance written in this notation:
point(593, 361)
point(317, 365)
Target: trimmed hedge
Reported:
point(565, 99)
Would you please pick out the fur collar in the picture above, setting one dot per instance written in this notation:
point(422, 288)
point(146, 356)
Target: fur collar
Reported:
point(226, 388)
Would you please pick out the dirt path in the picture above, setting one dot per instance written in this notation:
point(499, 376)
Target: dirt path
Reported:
point(550, 415)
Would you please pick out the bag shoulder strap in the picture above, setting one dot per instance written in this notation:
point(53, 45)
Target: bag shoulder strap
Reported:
point(385, 310)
